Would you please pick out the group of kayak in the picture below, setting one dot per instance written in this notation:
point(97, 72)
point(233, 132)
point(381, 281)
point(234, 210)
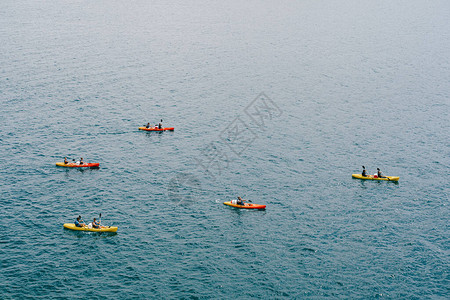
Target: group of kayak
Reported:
point(96, 226)
point(377, 176)
point(238, 203)
point(81, 164)
point(241, 203)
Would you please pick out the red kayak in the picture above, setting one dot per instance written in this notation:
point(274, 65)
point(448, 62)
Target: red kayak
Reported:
point(157, 129)
point(73, 165)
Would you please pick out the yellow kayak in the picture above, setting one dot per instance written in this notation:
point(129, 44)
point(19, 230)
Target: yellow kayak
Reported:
point(72, 226)
point(373, 177)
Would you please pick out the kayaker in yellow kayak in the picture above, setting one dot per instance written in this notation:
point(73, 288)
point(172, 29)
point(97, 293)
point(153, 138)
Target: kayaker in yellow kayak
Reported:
point(79, 222)
point(364, 172)
point(96, 224)
point(66, 161)
point(380, 174)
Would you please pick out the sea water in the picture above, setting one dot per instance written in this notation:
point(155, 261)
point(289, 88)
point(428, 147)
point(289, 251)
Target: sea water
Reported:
point(275, 101)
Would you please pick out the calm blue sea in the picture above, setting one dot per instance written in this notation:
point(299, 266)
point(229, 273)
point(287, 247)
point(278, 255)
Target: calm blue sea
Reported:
point(276, 101)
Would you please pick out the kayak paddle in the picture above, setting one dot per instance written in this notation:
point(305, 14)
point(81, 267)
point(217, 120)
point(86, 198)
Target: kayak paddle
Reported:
point(100, 221)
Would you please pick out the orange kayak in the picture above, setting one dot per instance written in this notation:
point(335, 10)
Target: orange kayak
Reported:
point(157, 129)
point(72, 165)
point(246, 205)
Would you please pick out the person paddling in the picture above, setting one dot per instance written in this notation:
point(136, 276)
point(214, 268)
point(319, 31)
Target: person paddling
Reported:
point(66, 161)
point(160, 125)
point(380, 174)
point(148, 125)
point(79, 222)
point(96, 224)
point(240, 201)
point(364, 172)
point(81, 161)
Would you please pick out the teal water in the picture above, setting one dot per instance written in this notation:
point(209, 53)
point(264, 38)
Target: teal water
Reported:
point(348, 83)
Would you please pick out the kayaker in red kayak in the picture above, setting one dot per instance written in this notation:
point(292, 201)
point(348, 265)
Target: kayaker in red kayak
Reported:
point(239, 201)
point(160, 125)
point(81, 161)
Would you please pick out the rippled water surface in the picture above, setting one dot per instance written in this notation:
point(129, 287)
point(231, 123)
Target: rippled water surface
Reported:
point(348, 83)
